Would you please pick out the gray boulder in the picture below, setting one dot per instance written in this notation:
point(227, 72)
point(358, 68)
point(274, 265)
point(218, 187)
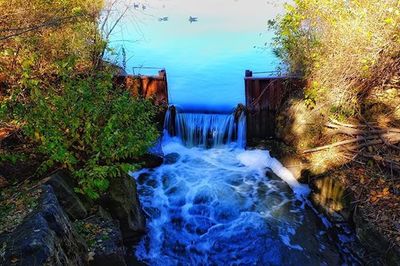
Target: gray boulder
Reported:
point(63, 187)
point(108, 247)
point(44, 237)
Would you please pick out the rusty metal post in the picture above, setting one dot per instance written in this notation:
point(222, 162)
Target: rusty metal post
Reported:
point(248, 73)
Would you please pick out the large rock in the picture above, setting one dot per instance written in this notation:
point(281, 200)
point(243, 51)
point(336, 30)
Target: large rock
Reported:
point(122, 203)
point(171, 158)
point(45, 237)
point(107, 244)
point(154, 157)
point(69, 200)
point(151, 160)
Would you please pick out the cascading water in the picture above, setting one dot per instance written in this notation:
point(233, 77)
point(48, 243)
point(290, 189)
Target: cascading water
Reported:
point(207, 130)
point(225, 205)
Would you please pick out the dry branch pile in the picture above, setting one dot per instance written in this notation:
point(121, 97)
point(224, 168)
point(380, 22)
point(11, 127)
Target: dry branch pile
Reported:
point(367, 140)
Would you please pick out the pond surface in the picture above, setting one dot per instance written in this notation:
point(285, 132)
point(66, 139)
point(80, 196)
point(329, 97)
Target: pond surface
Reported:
point(205, 59)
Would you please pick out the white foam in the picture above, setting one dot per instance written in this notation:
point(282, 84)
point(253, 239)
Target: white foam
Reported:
point(260, 159)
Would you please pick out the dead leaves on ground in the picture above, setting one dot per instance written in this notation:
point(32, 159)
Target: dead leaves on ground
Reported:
point(15, 204)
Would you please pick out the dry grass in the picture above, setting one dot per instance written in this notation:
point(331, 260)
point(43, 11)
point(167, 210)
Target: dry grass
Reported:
point(350, 54)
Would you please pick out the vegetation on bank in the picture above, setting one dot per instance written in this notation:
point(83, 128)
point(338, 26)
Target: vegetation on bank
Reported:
point(58, 99)
point(349, 54)
point(349, 114)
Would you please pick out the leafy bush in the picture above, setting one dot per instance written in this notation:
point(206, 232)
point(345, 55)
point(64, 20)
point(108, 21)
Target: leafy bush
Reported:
point(90, 128)
point(344, 46)
point(349, 54)
point(54, 87)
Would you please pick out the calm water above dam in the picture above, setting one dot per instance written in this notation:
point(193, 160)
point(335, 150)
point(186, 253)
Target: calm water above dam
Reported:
point(205, 58)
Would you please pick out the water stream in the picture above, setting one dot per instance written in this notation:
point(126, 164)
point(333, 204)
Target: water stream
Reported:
point(214, 203)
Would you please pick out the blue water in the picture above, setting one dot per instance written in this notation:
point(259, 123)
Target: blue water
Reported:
point(205, 60)
point(207, 130)
point(228, 206)
point(214, 203)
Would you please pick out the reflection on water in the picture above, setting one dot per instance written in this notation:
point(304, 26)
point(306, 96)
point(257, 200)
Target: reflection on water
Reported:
point(205, 45)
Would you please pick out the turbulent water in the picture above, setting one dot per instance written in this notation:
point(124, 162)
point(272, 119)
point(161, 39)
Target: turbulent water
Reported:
point(228, 206)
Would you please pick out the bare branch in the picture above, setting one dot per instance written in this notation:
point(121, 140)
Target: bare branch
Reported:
point(49, 23)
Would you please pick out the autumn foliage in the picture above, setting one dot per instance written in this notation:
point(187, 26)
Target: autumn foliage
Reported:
point(59, 96)
point(347, 118)
point(349, 53)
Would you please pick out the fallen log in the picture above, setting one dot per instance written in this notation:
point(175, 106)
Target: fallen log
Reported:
point(366, 144)
point(347, 125)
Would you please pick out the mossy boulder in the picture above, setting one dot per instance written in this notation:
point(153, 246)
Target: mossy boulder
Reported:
point(122, 203)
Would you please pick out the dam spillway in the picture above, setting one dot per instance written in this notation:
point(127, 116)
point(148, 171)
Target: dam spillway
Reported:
point(214, 203)
point(206, 130)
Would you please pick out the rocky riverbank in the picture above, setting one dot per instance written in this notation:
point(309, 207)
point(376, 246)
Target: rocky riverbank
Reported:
point(344, 196)
point(47, 223)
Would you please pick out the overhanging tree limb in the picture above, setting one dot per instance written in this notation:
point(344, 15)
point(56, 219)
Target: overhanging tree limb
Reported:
point(50, 23)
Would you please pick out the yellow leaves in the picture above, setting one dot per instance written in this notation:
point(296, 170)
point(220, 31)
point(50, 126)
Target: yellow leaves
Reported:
point(389, 21)
point(289, 8)
point(38, 136)
point(375, 196)
point(77, 10)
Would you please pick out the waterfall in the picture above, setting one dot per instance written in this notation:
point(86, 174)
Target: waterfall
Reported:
point(206, 130)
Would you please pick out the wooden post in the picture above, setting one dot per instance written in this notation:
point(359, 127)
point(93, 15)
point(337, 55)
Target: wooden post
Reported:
point(154, 88)
point(264, 97)
point(171, 127)
point(163, 74)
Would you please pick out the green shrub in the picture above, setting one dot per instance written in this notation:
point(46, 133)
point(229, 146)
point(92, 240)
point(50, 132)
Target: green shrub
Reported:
point(90, 128)
point(55, 88)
